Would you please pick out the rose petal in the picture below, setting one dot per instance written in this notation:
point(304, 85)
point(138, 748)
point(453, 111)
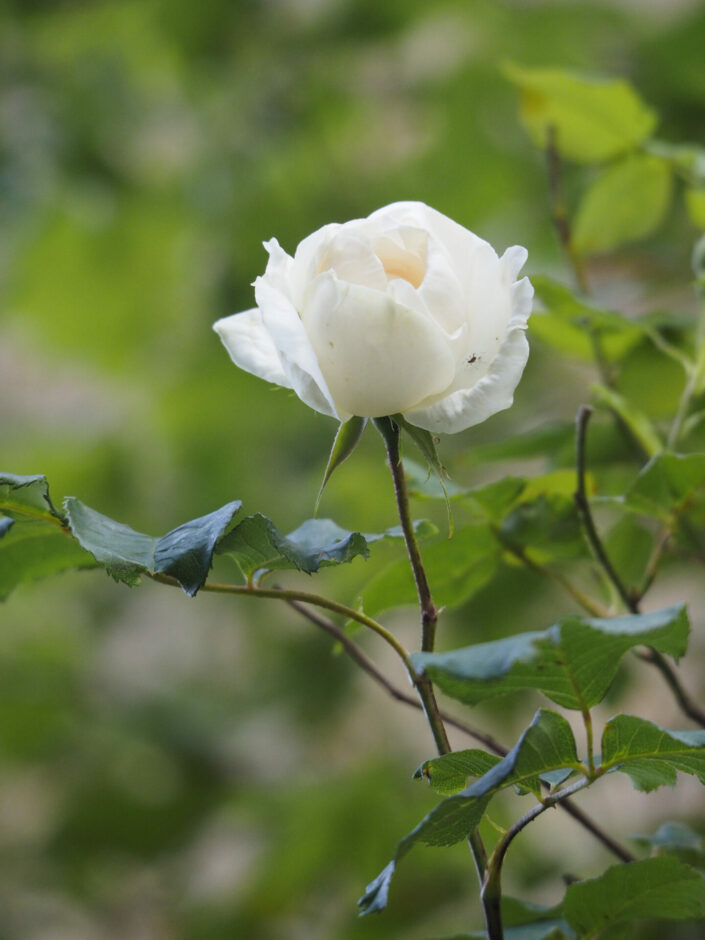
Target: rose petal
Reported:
point(298, 359)
point(250, 346)
point(378, 356)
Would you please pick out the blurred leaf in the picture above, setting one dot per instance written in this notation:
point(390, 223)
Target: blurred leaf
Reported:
point(666, 485)
point(635, 419)
point(655, 887)
point(257, 545)
point(594, 120)
point(346, 440)
point(695, 204)
point(675, 838)
point(547, 527)
point(572, 662)
point(28, 495)
point(185, 553)
point(547, 744)
point(629, 548)
point(626, 203)
point(449, 773)
point(535, 443)
point(651, 755)
point(422, 483)
point(569, 324)
point(34, 549)
point(525, 921)
point(456, 567)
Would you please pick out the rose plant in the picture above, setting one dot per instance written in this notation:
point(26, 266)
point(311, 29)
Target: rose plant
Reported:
point(404, 312)
point(408, 318)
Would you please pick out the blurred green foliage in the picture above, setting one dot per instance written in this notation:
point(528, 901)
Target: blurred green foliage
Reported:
point(209, 769)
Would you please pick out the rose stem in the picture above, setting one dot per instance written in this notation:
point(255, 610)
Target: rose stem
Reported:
point(630, 600)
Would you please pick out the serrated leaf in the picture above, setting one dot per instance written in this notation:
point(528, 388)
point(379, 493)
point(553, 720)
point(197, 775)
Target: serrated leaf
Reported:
point(651, 755)
point(28, 496)
point(654, 887)
point(626, 203)
point(593, 120)
point(572, 662)
point(35, 549)
point(547, 744)
point(345, 442)
point(257, 545)
point(185, 553)
point(449, 773)
point(457, 568)
point(635, 419)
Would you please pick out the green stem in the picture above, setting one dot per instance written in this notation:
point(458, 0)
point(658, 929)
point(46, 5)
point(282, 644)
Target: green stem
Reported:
point(587, 720)
point(316, 600)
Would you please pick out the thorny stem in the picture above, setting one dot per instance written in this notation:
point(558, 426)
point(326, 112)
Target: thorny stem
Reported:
point(365, 663)
point(391, 434)
point(631, 600)
point(560, 213)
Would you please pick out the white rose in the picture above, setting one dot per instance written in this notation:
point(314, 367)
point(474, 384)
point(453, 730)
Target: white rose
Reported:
point(402, 312)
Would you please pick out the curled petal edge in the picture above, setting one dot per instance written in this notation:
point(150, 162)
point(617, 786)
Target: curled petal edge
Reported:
point(250, 346)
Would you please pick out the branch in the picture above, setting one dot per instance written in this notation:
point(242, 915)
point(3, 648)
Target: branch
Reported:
point(630, 599)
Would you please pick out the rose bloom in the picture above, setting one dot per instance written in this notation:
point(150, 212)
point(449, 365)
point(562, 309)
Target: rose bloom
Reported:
point(402, 312)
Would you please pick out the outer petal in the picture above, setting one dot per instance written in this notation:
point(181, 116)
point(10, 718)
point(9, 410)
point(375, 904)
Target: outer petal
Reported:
point(378, 356)
point(494, 391)
point(298, 359)
point(251, 347)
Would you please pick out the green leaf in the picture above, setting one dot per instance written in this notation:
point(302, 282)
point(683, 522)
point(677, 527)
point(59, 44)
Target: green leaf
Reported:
point(635, 419)
point(185, 553)
point(257, 545)
point(35, 549)
point(629, 548)
point(423, 484)
point(572, 662)
point(547, 527)
point(27, 496)
point(593, 120)
point(655, 887)
point(449, 773)
point(346, 440)
point(457, 568)
point(525, 921)
point(547, 744)
point(571, 325)
point(675, 838)
point(666, 484)
point(651, 755)
point(695, 204)
point(626, 203)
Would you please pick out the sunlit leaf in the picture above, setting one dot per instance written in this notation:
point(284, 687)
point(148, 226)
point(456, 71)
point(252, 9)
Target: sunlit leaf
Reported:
point(695, 204)
point(593, 120)
point(573, 662)
point(626, 203)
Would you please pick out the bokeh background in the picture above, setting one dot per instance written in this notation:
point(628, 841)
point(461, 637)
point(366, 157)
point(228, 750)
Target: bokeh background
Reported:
point(210, 769)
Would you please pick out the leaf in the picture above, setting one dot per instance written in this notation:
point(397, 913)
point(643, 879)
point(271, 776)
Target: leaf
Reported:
point(651, 755)
point(547, 527)
point(27, 495)
point(572, 662)
point(185, 553)
point(457, 568)
point(346, 440)
point(637, 422)
point(538, 442)
point(570, 324)
point(525, 921)
point(695, 204)
point(449, 773)
point(35, 549)
point(257, 545)
point(594, 120)
point(675, 838)
point(423, 484)
point(626, 203)
point(654, 887)
point(547, 744)
point(666, 484)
